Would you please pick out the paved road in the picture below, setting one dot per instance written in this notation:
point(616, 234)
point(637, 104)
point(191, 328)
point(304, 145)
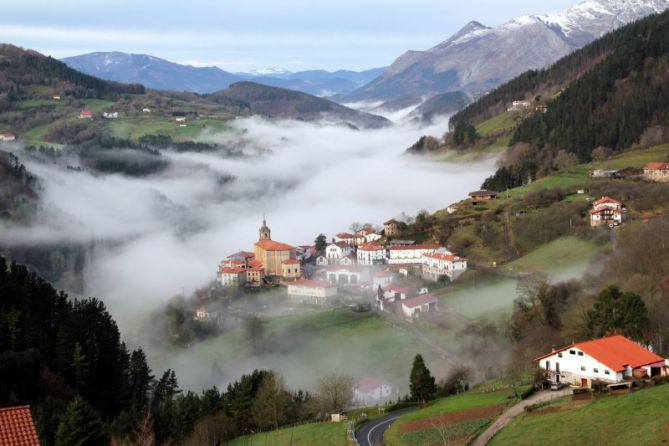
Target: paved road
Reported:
point(371, 433)
point(507, 416)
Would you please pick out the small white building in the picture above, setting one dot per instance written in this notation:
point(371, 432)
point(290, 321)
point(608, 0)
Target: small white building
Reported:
point(414, 306)
point(315, 292)
point(7, 137)
point(110, 115)
point(180, 119)
point(369, 254)
point(146, 110)
point(371, 391)
point(519, 105)
point(383, 279)
point(405, 255)
point(607, 211)
point(656, 172)
point(232, 276)
point(438, 265)
point(350, 239)
point(614, 359)
point(395, 292)
point(338, 250)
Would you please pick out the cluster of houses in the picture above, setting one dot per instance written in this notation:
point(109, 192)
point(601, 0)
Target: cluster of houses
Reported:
point(354, 263)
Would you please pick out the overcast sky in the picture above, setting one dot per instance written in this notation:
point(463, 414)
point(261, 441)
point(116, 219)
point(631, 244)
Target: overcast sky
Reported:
point(243, 35)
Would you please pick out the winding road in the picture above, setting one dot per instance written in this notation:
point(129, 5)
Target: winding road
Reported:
point(371, 433)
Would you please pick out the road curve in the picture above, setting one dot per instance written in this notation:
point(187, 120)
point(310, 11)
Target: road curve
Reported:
point(371, 433)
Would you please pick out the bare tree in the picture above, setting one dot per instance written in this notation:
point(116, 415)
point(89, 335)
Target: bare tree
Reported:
point(335, 392)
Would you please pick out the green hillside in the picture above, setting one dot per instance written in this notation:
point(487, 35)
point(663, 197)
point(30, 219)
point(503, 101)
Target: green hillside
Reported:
point(640, 418)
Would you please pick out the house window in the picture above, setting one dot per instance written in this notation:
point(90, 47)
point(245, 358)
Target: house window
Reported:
point(580, 353)
point(559, 355)
point(596, 370)
point(582, 368)
point(606, 372)
point(548, 365)
point(572, 352)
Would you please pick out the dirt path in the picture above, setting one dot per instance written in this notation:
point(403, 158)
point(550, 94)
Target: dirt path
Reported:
point(514, 411)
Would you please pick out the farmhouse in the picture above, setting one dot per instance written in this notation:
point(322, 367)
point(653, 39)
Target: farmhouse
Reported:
point(607, 211)
point(613, 359)
point(391, 228)
point(371, 391)
point(482, 195)
point(7, 137)
point(395, 292)
point(437, 266)
point(369, 254)
point(17, 427)
point(337, 250)
point(404, 255)
point(519, 105)
point(85, 114)
point(420, 304)
point(311, 291)
point(180, 119)
point(656, 172)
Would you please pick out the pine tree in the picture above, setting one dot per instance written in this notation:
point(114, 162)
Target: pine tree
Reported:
point(272, 403)
point(80, 426)
point(140, 379)
point(79, 367)
point(422, 383)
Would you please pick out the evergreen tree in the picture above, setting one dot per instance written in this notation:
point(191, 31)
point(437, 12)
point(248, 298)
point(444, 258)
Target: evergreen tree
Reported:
point(321, 243)
point(422, 384)
point(617, 312)
point(272, 403)
point(140, 379)
point(80, 426)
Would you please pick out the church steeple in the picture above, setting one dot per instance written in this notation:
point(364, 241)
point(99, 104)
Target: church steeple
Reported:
point(265, 232)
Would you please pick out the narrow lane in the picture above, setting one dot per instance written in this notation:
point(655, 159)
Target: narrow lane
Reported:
point(371, 433)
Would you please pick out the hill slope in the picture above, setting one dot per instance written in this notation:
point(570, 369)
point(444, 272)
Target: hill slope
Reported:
point(478, 58)
point(285, 104)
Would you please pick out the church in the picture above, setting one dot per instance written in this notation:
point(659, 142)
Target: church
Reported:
point(271, 262)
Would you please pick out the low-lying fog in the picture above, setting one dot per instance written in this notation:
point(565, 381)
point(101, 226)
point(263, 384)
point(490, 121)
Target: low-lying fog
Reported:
point(177, 225)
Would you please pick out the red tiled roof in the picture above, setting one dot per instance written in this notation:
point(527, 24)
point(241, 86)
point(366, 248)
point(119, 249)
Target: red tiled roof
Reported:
point(312, 283)
point(615, 352)
point(604, 200)
point(242, 254)
point(7, 135)
point(415, 247)
point(17, 427)
point(605, 208)
point(271, 245)
point(656, 166)
point(340, 244)
point(419, 300)
point(370, 247)
point(233, 270)
point(397, 289)
point(345, 235)
point(290, 262)
point(447, 257)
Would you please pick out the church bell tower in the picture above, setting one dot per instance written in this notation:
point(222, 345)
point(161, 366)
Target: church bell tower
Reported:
point(265, 232)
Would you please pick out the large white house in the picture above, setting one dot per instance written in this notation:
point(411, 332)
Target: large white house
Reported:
point(311, 291)
point(345, 274)
point(438, 265)
point(613, 359)
point(369, 254)
point(607, 211)
point(404, 255)
point(338, 250)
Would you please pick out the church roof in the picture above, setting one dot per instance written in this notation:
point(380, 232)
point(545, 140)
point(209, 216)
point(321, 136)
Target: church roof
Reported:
point(271, 245)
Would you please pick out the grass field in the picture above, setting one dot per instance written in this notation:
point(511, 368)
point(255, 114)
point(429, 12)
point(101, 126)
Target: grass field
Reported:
point(359, 344)
point(312, 434)
point(464, 415)
point(640, 418)
point(497, 123)
point(560, 253)
point(126, 129)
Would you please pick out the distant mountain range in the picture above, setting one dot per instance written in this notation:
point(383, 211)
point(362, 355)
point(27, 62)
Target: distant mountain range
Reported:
point(161, 74)
point(478, 58)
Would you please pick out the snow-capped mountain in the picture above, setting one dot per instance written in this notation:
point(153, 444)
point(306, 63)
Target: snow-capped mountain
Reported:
point(477, 58)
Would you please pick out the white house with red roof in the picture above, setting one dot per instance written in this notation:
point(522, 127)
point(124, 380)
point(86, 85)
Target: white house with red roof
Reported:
point(7, 137)
point(613, 359)
point(395, 292)
point(350, 239)
point(371, 391)
point(414, 306)
point(406, 255)
point(438, 265)
point(85, 114)
point(656, 172)
point(315, 292)
point(337, 250)
point(607, 211)
point(369, 254)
